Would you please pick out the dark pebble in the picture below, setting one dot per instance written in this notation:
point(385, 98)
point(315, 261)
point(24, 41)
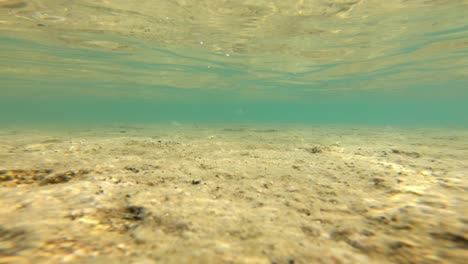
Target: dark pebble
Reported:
point(134, 213)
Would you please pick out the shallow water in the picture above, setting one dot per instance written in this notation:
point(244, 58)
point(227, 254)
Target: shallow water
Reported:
point(366, 62)
point(185, 131)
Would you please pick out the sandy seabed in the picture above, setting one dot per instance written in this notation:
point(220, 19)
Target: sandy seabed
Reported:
point(233, 194)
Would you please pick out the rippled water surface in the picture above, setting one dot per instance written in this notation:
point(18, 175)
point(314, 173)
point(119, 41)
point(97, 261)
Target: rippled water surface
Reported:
point(323, 61)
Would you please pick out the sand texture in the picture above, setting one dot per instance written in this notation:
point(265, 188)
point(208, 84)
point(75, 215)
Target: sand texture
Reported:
point(236, 194)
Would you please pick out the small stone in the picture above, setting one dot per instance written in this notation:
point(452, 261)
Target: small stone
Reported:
point(55, 178)
point(88, 221)
point(196, 182)
point(135, 170)
point(378, 182)
point(426, 173)
point(134, 213)
point(314, 150)
point(116, 181)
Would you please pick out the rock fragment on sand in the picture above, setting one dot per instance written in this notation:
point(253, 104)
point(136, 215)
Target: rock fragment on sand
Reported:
point(36, 177)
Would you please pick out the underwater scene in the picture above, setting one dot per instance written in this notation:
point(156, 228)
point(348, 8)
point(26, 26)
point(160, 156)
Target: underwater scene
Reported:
point(233, 131)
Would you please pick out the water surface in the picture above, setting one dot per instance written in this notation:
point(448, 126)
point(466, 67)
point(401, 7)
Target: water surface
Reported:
point(313, 62)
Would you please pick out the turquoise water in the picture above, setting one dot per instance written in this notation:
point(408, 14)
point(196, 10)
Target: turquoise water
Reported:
point(307, 62)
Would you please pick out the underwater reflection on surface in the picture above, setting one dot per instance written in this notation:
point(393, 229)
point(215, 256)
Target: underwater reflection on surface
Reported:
point(282, 49)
